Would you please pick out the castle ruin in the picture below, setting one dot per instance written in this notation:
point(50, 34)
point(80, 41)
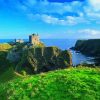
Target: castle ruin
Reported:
point(34, 39)
point(19, 41)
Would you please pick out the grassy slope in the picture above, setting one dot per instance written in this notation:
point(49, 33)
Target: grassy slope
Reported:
point(6, 70)
point(5, 78)
point(69, 84)
point(8, 75)
point(5, 47)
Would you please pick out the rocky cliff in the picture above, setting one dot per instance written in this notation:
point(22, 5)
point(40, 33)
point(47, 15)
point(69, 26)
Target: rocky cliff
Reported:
point(40, 59)
point(89, 47)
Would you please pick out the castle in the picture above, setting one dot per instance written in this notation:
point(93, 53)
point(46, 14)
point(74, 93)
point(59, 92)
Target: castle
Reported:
point(34, 39)
point(19, 41)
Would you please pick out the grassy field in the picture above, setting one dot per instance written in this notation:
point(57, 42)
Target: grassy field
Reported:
point(68, 84)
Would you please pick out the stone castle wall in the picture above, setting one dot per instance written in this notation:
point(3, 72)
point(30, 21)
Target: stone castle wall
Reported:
point(34, 39)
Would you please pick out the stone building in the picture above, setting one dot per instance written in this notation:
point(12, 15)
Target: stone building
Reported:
point(34, 39)
point(19, 41)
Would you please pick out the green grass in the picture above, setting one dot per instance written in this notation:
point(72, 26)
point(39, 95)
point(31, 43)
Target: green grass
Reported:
point(8, 75)
point(5, 46)
point(68, 84)
point(5, 78)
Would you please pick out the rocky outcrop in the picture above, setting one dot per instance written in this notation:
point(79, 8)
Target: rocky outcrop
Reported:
point(41, 59)
point(89, 47)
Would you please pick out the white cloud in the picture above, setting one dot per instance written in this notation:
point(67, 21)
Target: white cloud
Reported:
point(94, 15)
point(92, 10)
point(49, 19)
point(69, 20)
point(77, 20)
point(90, 32)
point(48, 7)
point(53, 20)
point(71, 13)
point(55, 13)
point(78, 34)
point(95, 4)
point(46, 11)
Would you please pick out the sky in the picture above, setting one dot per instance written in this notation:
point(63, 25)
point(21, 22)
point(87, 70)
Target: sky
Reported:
point(68, 19)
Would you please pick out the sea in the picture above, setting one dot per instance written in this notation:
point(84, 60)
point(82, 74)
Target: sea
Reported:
point(64, 44)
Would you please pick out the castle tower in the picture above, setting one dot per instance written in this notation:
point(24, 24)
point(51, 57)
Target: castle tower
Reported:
point(34, 39)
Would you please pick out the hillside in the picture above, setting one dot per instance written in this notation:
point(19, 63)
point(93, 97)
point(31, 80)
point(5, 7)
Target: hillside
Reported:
point(79, 83)
point(5, 47)
point(33, 59)
point(67, 84)
point(89, 47)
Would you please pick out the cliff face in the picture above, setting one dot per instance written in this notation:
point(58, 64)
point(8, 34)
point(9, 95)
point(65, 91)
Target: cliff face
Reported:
point(89, 47)
point(41, 59)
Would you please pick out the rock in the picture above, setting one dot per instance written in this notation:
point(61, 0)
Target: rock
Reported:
point(40, 59)
point(13, 56)
point(89, 47)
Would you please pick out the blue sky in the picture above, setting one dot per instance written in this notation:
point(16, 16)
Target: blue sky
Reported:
point(50, 18)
